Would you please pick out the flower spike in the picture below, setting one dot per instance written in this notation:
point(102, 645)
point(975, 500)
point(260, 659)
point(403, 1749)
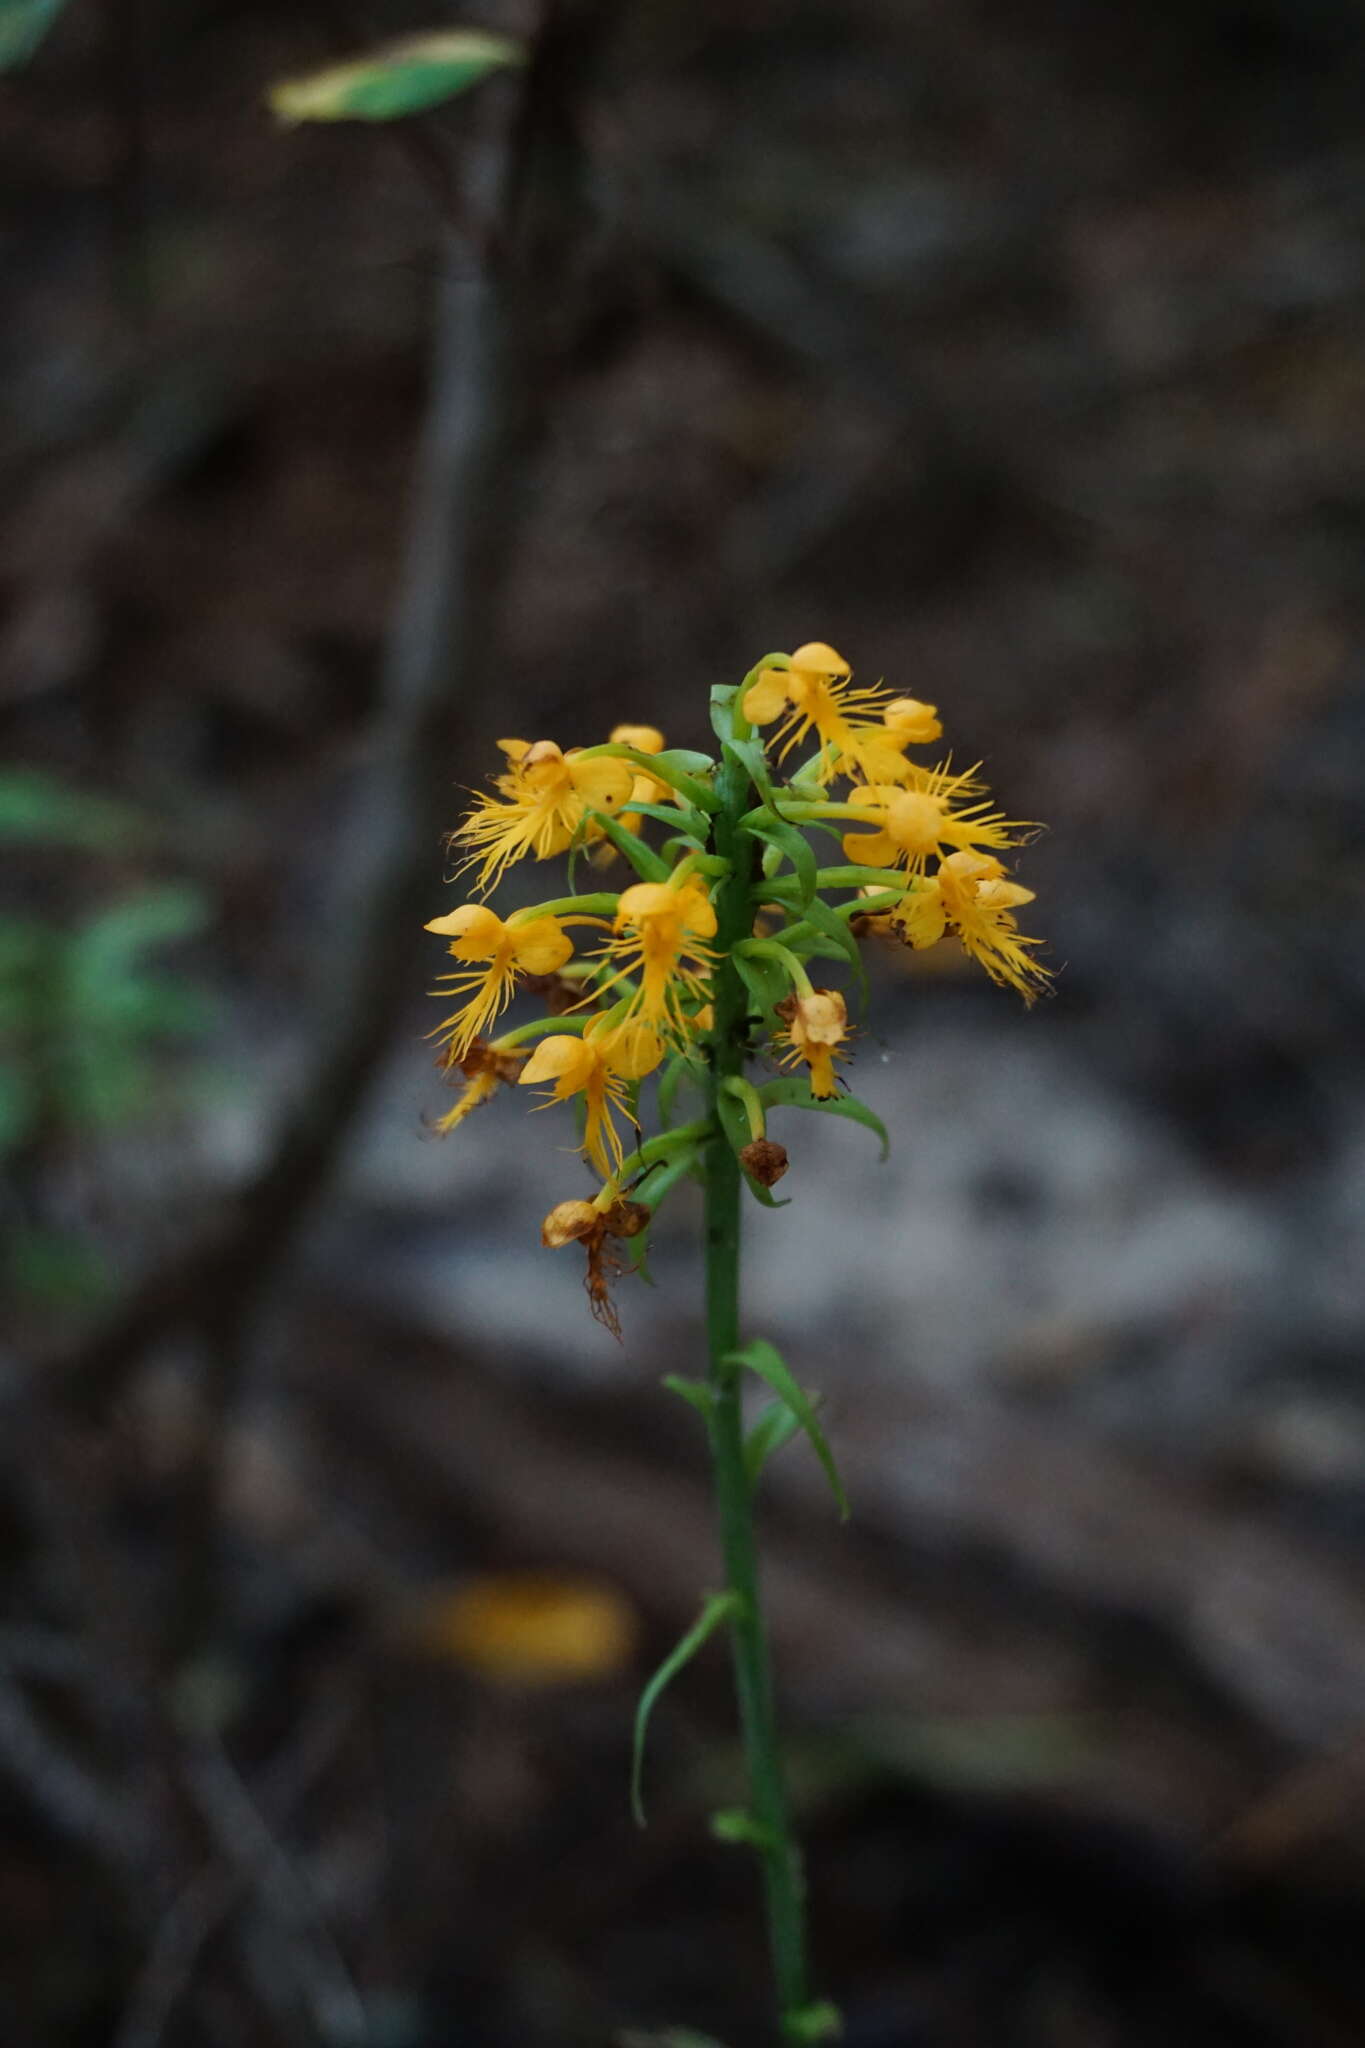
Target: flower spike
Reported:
point(709, 952)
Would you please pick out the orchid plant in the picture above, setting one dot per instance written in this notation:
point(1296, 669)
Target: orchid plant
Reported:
point(694, 975)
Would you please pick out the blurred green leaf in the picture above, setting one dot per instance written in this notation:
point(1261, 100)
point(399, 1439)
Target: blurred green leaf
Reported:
point(23, 24)
point(776, 1426)
point(48, 1266)
point(106, 948)
point(27, 949)
point(397, 79)
point(41, 810)
point(104, 1082)
point(814, 2023)
point(18, 1107)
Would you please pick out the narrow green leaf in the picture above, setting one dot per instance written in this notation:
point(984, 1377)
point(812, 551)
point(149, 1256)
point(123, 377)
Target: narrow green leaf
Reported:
point(696, 1393)
point(680, 1070)
point(399, 78)
point(687, 821)
point(718, 1609)
point(670, 1081)
point(646, 862)
point(776, 1426)
point(794, 1093)
point(23, 24)
point(755, 762)
point(798, 850)
point(637, 1256)
point(661, 1180)
point(763, 1358)
point(678, 767)
point(765, 981)
point(836, 933)
point(722, 709)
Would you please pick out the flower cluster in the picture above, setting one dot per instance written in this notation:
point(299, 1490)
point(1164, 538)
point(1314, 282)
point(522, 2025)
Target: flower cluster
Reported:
point(702, 963)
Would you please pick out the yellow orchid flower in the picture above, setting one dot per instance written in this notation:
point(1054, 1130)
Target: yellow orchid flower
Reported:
point(529, 945)
point(911, 824)
point(644, 789)
point(486, 1068)
point(816, 695)
point(877, 750)
point(972, 896)
point(660, 933)
point(597, 1066)
point(815, 1025)
point(545, 796)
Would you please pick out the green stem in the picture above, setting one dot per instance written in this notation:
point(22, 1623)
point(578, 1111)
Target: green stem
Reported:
point(539, 1027)
point(602, 904)
point(828, 878)
point(654, 1149)
point(781, 1860)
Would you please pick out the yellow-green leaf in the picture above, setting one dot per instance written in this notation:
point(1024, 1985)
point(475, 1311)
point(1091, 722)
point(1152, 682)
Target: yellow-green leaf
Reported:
point(399, 78)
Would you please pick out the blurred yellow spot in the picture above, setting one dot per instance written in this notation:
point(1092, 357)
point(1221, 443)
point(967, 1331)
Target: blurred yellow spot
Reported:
point(530, 1628)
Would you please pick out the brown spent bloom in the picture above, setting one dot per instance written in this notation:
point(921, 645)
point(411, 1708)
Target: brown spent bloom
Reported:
point(627, 1219)
point(765, 1159)
point(555, 991)
point(583, 1223)
point(486, 1067)
point(568, 1222)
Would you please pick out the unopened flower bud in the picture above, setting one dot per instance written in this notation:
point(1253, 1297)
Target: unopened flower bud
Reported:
point(765, 1159)
point(567, 1222)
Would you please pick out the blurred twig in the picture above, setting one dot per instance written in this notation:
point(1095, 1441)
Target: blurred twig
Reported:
point(457, 547)
point(248, 1857)
point(67, 1794)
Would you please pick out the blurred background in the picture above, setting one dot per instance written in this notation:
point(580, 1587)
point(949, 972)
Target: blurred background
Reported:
point(1017, 350)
